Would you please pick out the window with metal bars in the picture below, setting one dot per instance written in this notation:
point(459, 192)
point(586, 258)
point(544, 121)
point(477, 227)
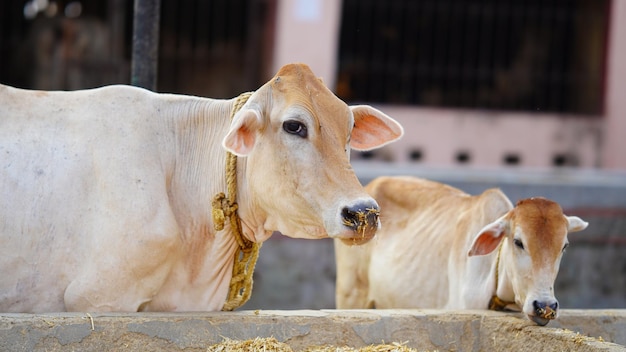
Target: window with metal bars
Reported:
point(533, 55)
point(213, 48)
point(216, 48)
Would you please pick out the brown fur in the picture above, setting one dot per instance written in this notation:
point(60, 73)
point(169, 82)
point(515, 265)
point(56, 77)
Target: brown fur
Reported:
point(544, 220)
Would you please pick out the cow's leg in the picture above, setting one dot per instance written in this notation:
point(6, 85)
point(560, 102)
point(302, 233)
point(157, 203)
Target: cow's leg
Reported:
point(475, 289)
point(106, 291)
point(125, 269)
point(352, 286)
point(117, 288)
point(84, 295)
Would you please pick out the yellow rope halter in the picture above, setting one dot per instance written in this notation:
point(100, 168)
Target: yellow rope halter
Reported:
point(240, 287)
point(496, 303)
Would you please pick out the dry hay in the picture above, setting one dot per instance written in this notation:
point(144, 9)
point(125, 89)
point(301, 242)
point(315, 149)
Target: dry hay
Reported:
point(581, 339)
point(271, 344)
point(258, 344)
point(390, 347)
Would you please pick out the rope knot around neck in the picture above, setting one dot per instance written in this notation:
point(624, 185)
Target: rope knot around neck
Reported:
point(498, 304)
point(224, 206)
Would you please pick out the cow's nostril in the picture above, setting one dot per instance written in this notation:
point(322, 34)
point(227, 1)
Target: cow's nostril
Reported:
point(361, 218)
point(540, 308)
point(554, 306)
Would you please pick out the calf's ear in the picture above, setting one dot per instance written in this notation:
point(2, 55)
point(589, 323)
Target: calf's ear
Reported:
point(575, 224)
point(372, 128)
point(489, 237)
point(242, 134)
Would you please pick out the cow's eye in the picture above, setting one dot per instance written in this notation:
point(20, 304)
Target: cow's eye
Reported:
point(518, 243)
point(565, 247)
point(295, 127)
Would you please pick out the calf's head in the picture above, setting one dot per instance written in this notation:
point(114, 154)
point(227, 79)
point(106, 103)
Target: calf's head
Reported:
point(535, 237)
point(296, 137)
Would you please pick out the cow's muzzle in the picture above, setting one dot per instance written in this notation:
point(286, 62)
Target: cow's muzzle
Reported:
point(361, 218)
point(544, 312)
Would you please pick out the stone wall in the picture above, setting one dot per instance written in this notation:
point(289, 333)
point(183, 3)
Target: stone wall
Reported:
point(300, 329)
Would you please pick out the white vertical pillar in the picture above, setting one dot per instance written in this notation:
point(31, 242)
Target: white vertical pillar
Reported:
point(614, 150)
point(307, 31)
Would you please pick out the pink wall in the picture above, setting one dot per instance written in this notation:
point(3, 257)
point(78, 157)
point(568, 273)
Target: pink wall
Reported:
point(487, 137)
point(308, 31)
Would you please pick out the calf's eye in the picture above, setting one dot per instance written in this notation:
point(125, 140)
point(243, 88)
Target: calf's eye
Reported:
point(518, 243)
point(295, 127)
point(565, 247)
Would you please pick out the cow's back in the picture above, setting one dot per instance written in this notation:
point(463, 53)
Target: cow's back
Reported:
point(423, 225)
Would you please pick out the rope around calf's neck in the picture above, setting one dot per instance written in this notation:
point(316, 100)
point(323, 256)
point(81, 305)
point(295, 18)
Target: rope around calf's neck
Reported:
point(497, 303)
point(240, 287)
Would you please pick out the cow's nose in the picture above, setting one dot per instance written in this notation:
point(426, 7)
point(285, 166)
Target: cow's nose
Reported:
point(362, 218)
point(542, 306)
point(544, 312)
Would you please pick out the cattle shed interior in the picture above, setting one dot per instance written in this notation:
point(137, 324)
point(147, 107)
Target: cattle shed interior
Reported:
point(549, 75)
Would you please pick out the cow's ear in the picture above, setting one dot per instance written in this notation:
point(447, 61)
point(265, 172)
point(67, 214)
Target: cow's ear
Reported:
point(575, 224)
point(243, 132)
point(489, 237)
point(372, 128)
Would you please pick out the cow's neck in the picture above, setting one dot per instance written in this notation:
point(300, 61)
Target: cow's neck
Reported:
point(503, 296)
point(225, 208)
point(252, 216)
point(199, 169)
point(196, 173)
point(197, 163)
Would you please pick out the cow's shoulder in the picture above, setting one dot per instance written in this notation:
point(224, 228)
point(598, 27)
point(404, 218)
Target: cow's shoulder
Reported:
point(493, 203)
point(123, 94)
point(483, 209)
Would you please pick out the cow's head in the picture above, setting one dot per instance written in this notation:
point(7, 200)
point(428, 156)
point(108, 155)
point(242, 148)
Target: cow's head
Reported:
point(296, 137)
point(535, 237)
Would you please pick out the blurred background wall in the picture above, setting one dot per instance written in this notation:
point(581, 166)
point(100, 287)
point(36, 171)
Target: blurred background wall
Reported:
point(524, 95)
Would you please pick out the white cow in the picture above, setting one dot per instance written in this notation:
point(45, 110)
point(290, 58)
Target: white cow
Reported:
point(439, 247)
point(105, 194)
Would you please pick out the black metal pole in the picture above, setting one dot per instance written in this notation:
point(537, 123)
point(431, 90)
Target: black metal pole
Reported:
point(145, 44)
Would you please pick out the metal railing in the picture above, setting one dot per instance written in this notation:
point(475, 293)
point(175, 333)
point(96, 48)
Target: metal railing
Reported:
point(497, 54)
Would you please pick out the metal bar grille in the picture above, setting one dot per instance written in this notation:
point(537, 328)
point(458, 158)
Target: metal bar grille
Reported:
point(203, 43)
point(532, 55)
point(211, 48)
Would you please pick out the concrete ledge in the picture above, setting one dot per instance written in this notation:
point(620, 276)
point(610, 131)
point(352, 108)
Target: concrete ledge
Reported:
point(578, 330)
